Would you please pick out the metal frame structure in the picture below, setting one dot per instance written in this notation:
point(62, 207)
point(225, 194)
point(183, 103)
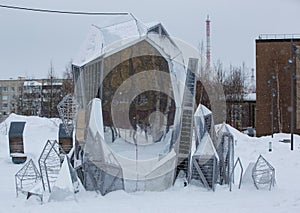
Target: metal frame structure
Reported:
point(231, 180)
point(101, 181)
point(205, 162)
point(50, 162)
point(263, 173)
point(206, 171)
point(27, 177)
point(67, 110)
point(225, 151)
point(187, 120)
point(101, 76)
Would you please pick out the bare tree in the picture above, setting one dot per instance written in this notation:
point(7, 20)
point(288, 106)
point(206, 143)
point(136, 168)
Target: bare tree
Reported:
point(234, 89)
point(51, 93)
point(219, 72)
point(67, 84)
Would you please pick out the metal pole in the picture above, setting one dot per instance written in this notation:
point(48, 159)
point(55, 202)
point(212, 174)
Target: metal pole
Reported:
point(292, 110)
point(270, 83)
point(272, 110)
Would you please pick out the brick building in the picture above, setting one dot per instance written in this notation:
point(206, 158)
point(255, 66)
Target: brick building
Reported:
point(277, 59)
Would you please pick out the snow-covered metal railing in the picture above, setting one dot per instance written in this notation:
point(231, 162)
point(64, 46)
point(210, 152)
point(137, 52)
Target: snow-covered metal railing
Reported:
point(278, 36)
point(238, 161)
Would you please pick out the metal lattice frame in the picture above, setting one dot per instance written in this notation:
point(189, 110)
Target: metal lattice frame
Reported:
point(67, 110)
point(102, 175)
point(205, 171)
point(237, 162)
point(263, 173)
point(225, 151)
point(27, 177)
point(50, 162)
point(103, 182)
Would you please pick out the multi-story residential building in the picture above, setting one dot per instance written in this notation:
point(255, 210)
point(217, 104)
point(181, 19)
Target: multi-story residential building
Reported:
point(31, 97)
point(10, 94)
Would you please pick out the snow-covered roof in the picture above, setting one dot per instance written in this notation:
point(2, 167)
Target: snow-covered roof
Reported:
point(102, 40)
point(53, 83)
point(105, 40)
point(31, 83)
point(250, 97)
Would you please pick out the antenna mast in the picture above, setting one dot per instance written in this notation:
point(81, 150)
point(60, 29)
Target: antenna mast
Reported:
point(207, 43)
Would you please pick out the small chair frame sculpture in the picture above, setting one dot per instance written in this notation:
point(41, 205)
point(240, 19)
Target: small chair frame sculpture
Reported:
point(263, 173)
point(27, 178)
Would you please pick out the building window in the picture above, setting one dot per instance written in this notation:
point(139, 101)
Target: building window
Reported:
point(4, 105)
point(12, 89)
point(4, 97)
point(4, 89)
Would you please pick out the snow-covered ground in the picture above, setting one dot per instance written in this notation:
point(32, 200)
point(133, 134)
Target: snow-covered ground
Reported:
point(285, 197)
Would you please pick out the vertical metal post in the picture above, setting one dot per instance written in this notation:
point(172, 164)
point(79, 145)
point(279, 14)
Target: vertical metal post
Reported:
point(272, 110)
point(293, 76)
point(292, 110)
point(273, 93)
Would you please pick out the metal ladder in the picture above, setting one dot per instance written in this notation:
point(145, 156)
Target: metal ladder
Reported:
point(186, 133)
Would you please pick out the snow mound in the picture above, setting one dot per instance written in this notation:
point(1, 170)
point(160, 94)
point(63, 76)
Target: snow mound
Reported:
point(283, 198)
point(36, 132)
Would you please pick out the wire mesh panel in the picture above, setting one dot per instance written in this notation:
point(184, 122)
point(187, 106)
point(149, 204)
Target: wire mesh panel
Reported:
point(67, 110)
point(27, 177)
point(226, 154)
point(103, 180)
point(101, 174)
point(263, 174)
point(50, 163)
point(225, 149)
point(204, 170)
point(204, 163)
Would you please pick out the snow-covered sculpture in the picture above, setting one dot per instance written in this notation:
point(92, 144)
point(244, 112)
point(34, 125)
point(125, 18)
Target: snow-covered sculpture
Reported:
point(137, 73)
point(204, 163)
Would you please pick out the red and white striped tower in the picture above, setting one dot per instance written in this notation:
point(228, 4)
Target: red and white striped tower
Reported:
point(207, 43)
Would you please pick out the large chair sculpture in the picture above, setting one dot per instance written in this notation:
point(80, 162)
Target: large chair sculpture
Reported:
point(16, 142)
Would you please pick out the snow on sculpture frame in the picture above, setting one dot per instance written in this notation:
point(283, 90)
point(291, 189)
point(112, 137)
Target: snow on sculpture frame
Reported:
point(107, 67)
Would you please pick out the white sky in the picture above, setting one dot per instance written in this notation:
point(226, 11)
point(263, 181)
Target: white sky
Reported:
point(29, 41)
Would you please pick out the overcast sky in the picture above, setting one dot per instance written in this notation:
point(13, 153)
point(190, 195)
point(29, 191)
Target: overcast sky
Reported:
point(30, 41)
